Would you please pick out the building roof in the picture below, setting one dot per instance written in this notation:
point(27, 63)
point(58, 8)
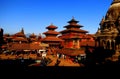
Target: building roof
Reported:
point(88, 43)
point(17, 46)
point(82, 36)
point(73, 25)
point(24, 46)
point(73, 20)
point(34, 46)
point(51, 32)
point(33, 39)
point(71, 52)
point(51, 27)
point(74, 30)
point(32, 35)
point(54, 39)
point(19, 34)
point(19, 39)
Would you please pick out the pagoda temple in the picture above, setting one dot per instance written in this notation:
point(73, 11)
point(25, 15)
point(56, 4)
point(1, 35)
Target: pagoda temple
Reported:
point(33, 37)
point(108, 35)
point(51, 37)
point(73, 35)
point(19, 37)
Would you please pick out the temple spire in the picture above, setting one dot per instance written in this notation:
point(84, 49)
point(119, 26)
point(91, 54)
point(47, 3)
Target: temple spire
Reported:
point(72, 17)
point(73, 20)
point(22, 30)
point(103, 20)
point(51, 23)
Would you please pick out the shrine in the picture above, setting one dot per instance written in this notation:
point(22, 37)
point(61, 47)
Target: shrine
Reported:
point(73, 35)
point(19, 37)
point(33, 38)
point(108, 35)
point(51, 37)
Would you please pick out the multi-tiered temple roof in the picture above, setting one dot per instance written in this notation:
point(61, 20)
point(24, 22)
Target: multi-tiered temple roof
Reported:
point(51, 36)
point(73, 30)
point(73, 27)
point(19, 37)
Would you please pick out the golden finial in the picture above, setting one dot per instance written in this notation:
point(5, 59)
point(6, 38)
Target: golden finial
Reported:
point(51, 23)
point(72, 17)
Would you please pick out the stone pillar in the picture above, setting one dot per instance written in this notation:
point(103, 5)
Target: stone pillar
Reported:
point(78, 43)
point(110, 44)
point(107, 44)
point(114, 44)
point(99, 43)
point(104, 44)
point(73, 46)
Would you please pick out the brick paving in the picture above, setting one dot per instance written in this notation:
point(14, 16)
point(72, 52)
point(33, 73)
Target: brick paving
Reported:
point(63, 62)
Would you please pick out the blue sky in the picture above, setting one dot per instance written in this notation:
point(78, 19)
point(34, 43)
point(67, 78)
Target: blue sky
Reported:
point(35, 15)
